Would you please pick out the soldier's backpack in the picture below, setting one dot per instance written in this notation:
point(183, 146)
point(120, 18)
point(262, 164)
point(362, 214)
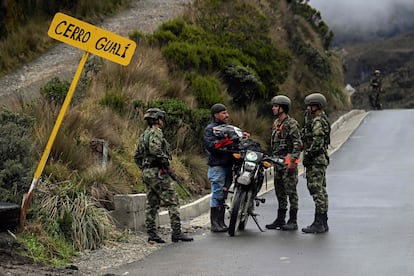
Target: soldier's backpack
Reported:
point(139, 156)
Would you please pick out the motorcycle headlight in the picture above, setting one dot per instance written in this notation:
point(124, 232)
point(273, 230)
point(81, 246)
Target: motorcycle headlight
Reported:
point(251, 156)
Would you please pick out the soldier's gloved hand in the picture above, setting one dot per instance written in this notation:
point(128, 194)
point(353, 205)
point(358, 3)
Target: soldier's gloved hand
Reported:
point(291, 168)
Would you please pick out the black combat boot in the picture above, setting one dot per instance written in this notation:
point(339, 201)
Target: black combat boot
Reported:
point(214, 220)
point(222, 211)
point(292, 223)
point(325, 222)
point(153, 237)
point(279, 221)
point(317, 226)
point(177, 235)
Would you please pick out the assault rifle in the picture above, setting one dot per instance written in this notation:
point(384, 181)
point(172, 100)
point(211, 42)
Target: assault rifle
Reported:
point(306, 131)
point(174, 177)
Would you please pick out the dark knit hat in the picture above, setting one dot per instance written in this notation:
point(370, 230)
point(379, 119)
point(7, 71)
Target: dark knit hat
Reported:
point(217, 108)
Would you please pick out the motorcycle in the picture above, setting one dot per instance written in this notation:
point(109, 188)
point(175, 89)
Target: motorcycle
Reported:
point(249, 175)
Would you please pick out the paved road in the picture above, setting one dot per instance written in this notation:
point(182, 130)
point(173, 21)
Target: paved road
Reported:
point(371, 219)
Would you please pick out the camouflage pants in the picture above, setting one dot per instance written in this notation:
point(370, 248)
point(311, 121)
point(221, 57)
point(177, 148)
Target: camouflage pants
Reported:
point(316, 181)
point(374, 100)
point(160, 193)
point(285, 189)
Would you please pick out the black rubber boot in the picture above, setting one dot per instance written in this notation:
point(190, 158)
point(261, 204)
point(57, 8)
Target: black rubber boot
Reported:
point(279, 221)
point(292, 223)
point(153, 237)
point(222, 211)
point(214, 220)
point(317, 226)
point(325, 222)
point(177, 236)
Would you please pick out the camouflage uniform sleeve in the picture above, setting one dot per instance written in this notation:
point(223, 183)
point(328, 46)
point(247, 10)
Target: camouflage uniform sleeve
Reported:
point(295, 134)
point(157, 147)
point(318, 138)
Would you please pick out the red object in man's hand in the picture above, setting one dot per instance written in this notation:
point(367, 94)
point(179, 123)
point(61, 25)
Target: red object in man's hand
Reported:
point(226, 141)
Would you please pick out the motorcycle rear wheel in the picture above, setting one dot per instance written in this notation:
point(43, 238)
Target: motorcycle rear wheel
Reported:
point(239, 203)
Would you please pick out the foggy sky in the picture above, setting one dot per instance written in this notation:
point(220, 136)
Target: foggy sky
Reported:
point(367, 15)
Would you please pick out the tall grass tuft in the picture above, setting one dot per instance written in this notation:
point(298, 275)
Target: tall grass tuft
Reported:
point(80, 220)
point(23, 44)
point(147, 67)
point(196, 168)
point(260, 128)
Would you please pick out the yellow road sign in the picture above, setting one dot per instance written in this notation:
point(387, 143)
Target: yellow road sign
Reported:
point(92, 39)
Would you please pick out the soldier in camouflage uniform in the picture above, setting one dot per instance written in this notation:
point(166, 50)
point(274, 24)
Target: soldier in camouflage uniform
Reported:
point(153, 156)
point(316, 138)
point(376, 89)
point(285, 142)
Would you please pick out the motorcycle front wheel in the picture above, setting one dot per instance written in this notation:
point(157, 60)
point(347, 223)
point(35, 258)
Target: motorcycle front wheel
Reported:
point(239, 203)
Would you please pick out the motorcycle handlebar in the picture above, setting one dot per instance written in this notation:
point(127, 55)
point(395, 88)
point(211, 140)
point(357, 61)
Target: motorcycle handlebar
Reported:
point(276, 160)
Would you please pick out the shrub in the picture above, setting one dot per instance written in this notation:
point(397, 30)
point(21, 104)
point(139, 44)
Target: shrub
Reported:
point(226, 34)
point(15, 155)
point(55, 90)
point(113, 100)
point(178, 30)
point(244, 85)
point(317, 62)
point(203, 58)
point(206, 89)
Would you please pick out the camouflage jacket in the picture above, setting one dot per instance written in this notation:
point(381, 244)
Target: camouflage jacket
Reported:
point(153, 149)
point(286, 138)
point(316, 139)
point(376, 84)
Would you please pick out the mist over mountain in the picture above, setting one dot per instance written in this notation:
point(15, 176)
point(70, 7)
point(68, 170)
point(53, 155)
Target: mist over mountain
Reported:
point(359, 21)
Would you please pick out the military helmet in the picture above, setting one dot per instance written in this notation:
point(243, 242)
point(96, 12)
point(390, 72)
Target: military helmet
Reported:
point(316, 99)
point(281, 100)
point(154, 113)
point(377, 72)
point(217, 108)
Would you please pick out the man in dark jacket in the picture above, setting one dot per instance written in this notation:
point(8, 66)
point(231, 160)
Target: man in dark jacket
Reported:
point(220, 167)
